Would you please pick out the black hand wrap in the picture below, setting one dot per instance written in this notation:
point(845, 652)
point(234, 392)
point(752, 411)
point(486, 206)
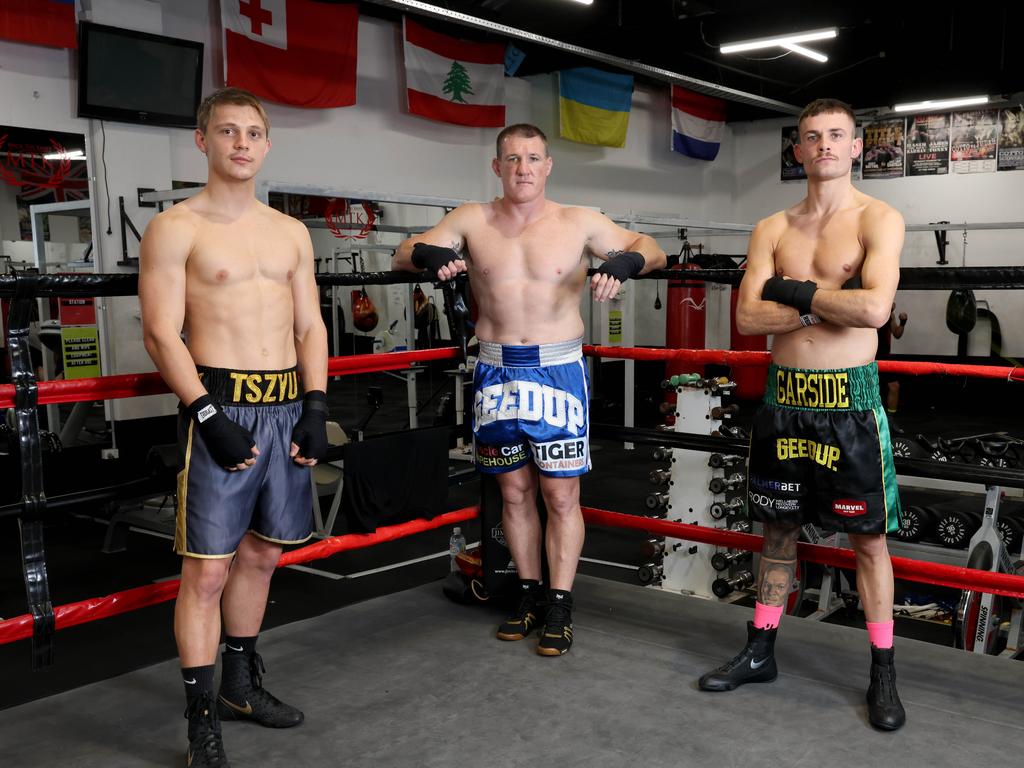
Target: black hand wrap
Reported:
point(792, 293)
point(622, 266)
point(228, 442)
point(432, 257)
point(310, 431)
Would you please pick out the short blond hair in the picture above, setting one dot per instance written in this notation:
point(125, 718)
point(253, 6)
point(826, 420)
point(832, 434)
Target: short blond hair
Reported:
point(237, 96)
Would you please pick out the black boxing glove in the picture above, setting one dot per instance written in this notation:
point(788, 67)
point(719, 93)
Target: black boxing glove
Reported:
point(622, 266)
point(792, 293)
point(310, 431)
point(228, 442)
point(432, 257)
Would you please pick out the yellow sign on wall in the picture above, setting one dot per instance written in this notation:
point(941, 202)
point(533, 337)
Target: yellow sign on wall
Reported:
point(81, 347)
point(615, 326)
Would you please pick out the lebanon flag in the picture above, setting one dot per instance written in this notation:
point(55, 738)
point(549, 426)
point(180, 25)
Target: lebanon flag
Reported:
point(298, 52)
point(697, 124)
point(42, 22)
point(454, 81)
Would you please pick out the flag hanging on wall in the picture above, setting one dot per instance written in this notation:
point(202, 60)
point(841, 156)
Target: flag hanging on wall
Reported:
point(593, 106)
point(297, 52)
point(454, 81)
point(698, 122)
point(40, 22)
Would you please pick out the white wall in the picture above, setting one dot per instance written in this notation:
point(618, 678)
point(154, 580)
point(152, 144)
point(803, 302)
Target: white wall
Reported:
point(375, 146)
point(921, 199)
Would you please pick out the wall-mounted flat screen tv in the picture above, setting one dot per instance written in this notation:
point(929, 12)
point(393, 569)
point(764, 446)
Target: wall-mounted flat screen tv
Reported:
point(137, 77)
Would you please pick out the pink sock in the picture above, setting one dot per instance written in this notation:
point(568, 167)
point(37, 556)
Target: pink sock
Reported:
point(880, 633)
point(766, 616)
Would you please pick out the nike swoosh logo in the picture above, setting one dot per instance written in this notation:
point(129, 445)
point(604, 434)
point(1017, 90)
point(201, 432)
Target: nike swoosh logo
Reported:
point(759, 664)
point(233, 648)
point(246, 710)
point(190, 682)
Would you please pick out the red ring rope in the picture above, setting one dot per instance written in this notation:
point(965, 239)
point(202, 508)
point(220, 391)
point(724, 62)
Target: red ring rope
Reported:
point(72, 614)
point(730, 357)
point(956, 577)
point(133, 385)
point(140, 384)
point(903, 567)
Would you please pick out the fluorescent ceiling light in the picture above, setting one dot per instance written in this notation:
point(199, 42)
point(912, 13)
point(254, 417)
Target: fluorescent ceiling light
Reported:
point(584, 2)
point(779, 40)
point(927, 106)
point(810, 53)
point(75, 154)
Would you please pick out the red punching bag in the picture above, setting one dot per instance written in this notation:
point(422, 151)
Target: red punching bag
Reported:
point(749, 379)
point(364, 313)
point(685, 323)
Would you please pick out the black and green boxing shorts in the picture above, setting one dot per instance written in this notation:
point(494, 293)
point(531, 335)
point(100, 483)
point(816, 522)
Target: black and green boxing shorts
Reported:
point(820, 452)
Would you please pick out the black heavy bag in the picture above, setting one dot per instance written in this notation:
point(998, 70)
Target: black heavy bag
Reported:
point(961, 311)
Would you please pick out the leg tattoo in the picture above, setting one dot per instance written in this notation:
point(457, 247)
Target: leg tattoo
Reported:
point(778, 564)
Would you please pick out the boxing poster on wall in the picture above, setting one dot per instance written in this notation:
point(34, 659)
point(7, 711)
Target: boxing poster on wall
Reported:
point(883, 149)
point(792, 170)
point(973, 136)
point(928, 145)
point(1011, 139)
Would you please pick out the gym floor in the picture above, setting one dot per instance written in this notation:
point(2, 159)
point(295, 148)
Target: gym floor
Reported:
point(412, 679)
point(106, 649)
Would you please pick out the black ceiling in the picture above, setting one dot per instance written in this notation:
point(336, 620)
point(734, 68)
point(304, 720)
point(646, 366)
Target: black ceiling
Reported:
point(886, 52)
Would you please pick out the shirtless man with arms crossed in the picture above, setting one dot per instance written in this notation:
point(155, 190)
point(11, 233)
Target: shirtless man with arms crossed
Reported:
point(820, 449)
point(527, 260)
point(237, 277)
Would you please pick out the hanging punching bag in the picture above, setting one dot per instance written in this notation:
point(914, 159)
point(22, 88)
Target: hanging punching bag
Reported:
point(685, 324)
point(750, 379)
point(364, 313)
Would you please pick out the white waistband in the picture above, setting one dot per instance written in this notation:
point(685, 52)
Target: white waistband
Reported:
point(531, 356)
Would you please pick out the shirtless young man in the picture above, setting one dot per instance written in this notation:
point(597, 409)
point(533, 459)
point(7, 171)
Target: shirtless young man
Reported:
point(238, 278)
point(527, 260)
point(820, 448)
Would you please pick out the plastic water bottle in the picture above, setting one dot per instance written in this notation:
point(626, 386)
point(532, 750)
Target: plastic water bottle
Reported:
point(456, 544)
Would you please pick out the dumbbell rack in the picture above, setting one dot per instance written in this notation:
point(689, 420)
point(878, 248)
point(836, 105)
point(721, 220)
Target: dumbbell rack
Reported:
point(686, 567)
point(711, 492)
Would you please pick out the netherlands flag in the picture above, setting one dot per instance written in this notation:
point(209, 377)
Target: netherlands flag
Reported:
point(452, 80)
point(697, 124)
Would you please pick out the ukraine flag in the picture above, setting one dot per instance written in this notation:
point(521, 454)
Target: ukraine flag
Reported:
point(594, 106)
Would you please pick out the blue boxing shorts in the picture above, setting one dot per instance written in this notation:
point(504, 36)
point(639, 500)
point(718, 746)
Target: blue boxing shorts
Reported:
point(531, 403)
point(272, 499)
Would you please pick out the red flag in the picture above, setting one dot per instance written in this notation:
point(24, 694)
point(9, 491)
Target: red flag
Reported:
point(42, 22)
point(298, 52)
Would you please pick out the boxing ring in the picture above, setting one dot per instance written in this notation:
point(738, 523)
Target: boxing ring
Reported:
point(415, 679)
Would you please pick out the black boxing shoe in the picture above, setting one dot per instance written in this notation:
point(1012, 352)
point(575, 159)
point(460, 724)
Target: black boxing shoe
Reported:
point(754, 664)
point(243, 697)
point(885, 711)
point(556, 634)
point(520, 624)
point(205, 747)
